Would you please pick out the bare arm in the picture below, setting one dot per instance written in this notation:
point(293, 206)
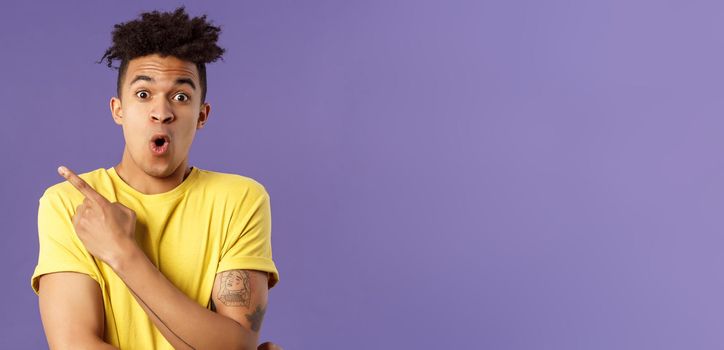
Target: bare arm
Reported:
point(182, 321)
point(241, 295)
point(71, 308)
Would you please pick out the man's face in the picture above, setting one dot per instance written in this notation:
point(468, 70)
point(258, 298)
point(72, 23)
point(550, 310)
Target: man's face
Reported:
point(160, 110)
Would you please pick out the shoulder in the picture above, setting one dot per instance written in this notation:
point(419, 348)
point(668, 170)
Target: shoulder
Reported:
point(234, 185)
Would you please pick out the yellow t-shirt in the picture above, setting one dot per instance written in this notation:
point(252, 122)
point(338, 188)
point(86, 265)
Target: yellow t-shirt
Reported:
point(211, 222)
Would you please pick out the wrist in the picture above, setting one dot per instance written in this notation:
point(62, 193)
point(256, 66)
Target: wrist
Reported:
point(124, 257)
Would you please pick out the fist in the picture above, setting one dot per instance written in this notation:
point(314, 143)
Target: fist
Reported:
point(106, 229)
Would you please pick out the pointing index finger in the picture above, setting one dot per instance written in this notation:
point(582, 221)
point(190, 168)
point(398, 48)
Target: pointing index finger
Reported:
point(81, 185)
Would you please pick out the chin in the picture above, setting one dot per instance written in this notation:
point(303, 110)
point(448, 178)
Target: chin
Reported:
point(159, 170)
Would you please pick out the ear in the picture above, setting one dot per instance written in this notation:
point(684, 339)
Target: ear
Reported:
point(203, 115)
point(116, 110)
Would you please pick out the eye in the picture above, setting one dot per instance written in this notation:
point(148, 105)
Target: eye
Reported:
point(142, 94)
point(181, 97)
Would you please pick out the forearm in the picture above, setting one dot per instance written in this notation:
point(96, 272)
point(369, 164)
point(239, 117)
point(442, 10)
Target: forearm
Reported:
point(182, 321)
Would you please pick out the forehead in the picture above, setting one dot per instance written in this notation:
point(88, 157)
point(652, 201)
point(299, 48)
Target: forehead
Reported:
point(161, 68)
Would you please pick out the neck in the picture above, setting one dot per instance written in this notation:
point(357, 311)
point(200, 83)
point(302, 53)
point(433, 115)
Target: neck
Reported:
point(146, 183)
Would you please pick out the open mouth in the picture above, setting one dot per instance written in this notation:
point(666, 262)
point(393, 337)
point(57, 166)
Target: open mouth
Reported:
point(159, 144)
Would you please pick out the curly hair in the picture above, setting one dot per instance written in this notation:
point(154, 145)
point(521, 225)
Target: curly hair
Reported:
point(166, 34)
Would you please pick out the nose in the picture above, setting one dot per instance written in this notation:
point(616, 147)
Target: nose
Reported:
point(162, 112)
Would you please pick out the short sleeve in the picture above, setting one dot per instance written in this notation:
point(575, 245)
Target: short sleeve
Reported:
point(249, 245)
point(60, 249)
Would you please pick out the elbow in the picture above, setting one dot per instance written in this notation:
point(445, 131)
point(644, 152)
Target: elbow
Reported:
point(247, 343)
point(246, 339)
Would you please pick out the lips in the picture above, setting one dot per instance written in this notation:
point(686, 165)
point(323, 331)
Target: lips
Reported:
point(159, 144)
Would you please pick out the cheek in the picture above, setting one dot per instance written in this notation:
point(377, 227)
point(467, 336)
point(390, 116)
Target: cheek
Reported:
point(135, 133)
point(184, 135)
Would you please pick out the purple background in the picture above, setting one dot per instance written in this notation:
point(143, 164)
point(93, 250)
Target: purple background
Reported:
point(493, 175)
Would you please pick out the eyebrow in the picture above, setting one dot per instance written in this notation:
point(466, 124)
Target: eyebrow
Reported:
point(179, 81)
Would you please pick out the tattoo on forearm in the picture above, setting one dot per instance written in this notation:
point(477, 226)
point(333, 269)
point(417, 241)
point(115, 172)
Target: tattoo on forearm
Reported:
point(234, 288)
point(256, 317)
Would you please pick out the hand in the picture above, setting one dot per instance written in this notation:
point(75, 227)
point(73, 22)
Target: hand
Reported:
point(106, 229)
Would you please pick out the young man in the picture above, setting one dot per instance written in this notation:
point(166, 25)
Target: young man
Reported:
point(153, 253)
